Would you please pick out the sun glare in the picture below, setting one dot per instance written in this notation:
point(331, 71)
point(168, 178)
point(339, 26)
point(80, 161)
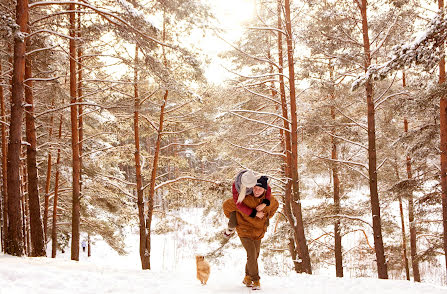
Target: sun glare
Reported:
point(233, 13)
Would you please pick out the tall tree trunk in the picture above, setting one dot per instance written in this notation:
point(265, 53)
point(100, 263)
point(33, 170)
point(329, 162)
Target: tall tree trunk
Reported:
point(37, 236)
point(75, 220)
point(48, 180)
point(3, 210)
point(154, 171)
point(295, 203)
point(89, 246)
point(56, 196)
point(402, 222)
point(413, 238)
point(144, 250)
point(80, 100)
point(25, 206)
point(443, 131)
point(372, 154)
point(336, 183)
point(14, 244)
point(287, 142)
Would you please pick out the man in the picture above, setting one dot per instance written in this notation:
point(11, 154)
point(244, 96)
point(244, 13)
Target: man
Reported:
point(250, 219)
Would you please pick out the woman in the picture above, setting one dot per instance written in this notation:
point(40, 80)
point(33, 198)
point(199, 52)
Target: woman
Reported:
point(252, 227)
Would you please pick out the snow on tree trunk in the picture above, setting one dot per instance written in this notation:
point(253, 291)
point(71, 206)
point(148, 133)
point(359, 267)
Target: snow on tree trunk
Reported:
point(372, 154)
point(75, 219)
point(14, 243)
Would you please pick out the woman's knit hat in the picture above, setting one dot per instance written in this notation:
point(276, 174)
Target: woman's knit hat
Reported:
point(262, 182)
point(248, 180)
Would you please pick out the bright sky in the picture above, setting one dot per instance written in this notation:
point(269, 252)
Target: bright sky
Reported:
point(232, 16)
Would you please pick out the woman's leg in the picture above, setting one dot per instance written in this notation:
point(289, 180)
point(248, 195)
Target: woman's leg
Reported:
point(229, 208)
point(232, 221)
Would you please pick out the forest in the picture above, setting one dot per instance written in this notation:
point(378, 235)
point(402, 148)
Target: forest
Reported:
point(110, 117)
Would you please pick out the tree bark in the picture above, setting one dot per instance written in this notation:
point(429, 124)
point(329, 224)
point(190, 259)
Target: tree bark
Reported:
point(56, 196)
point(372, 155)
point(25, 207)
point(89, 246)
point(3, 210)
point(443, 147)
point(80, 100)
point(144, 250)
point(75, 220)
point(37, 236)
point(402, 222)
point(154, 172)
point(336, 183)
point(413, 237)
point(48, 180)
point(295, 203)
point(14, 244)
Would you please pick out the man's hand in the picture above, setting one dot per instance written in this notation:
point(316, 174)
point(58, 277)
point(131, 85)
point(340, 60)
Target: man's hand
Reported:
point(260, 214)
point(261, 206)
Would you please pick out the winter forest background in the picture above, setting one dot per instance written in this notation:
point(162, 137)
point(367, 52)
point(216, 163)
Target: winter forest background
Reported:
point(119, 114)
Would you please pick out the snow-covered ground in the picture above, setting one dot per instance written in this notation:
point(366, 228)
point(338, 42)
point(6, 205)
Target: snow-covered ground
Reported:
point(47, 276)
point(174, 271)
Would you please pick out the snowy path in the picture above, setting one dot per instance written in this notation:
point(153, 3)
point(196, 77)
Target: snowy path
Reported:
point(48, 276)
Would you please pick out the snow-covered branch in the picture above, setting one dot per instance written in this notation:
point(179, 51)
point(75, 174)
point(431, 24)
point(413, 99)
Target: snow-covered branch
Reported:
point(44, 79)
point(259, 150)
point(391, 96)
point(247, 54)
point(99, 150)
point(424, 50)
point(344, 161)
point(262, 112)
point(118, 179)
point(180, 179)
point(50, 32)
point(269, 29)
point(259, 122)
point(40, 49)
point(181, 144)
point(363, 126)
point(93, 136)
point(348, 217)
point(268, 75)
point(152, 124)
point(122, 190)
point(380, 165)
point(261, 95)
point(346, 140)
point(109, 16)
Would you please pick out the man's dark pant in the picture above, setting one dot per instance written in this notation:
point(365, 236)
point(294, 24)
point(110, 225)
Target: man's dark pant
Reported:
point(252, 247)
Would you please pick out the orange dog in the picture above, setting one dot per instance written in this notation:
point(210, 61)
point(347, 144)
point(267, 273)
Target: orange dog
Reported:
point(203, 269)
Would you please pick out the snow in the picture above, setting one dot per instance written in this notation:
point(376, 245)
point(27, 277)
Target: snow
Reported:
point(173, 270)
point(47, 276)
